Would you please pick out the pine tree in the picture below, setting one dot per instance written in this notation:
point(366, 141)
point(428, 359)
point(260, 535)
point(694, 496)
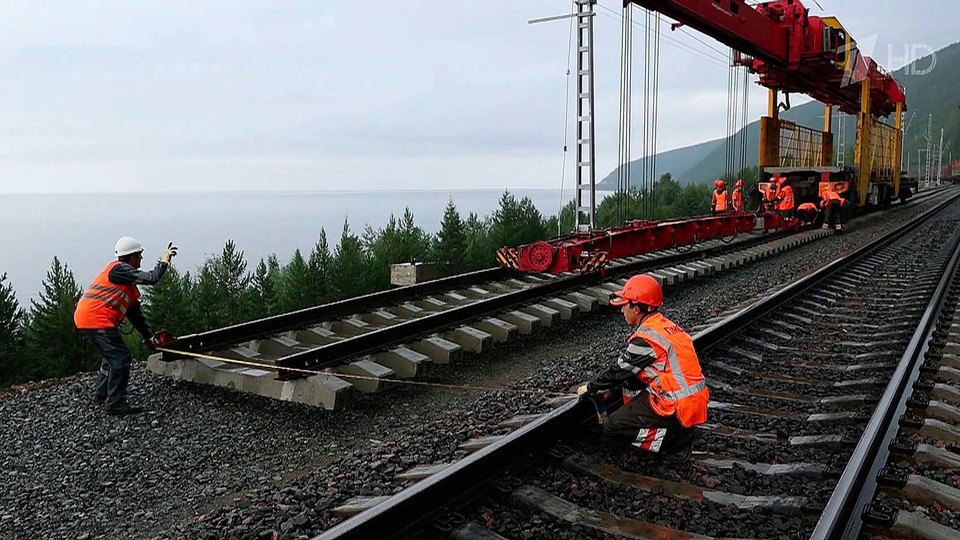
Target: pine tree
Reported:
point(230, 270)
point(11, 319)
point(318, 268)
point(167, 303)
point(295, 289)
point(413, 241)
point(450, 244)
point(516, 222)
point(54, 345)
point(349, 271)
point(208, 298)
point(480, 251)
point(265, 291)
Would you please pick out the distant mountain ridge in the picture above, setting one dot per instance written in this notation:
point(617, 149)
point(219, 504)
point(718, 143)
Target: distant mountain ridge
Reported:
point(936, 93)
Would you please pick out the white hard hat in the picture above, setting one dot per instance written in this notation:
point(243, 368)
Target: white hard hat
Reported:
point(127, 245)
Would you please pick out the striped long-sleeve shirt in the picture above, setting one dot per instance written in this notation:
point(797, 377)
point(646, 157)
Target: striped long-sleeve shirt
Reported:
point(637, 355)
point(124, 274)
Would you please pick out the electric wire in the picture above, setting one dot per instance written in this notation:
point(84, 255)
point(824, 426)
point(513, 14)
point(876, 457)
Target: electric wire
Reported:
point(566, 124)
point(610, 13)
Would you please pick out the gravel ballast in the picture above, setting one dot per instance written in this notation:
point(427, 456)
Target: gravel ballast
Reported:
point(206, 462)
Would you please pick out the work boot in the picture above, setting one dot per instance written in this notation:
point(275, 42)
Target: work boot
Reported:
point(839, 227)
point(122, 409)
point(681, 456)
point(825, 226)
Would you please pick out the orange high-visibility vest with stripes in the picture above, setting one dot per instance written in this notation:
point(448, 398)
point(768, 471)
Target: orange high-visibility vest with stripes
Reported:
point(720, 200)
point(829, 195)
point(674, 381)
point(786, 199)
point(104, 304)
point(737, 200)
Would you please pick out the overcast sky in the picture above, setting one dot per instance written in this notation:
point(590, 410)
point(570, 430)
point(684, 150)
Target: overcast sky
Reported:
point(332, 95)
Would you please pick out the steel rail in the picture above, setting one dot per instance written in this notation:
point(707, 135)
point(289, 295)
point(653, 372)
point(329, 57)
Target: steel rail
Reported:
point(842, 516)
point(414, 508)
point(217, 338)
point(334, 353)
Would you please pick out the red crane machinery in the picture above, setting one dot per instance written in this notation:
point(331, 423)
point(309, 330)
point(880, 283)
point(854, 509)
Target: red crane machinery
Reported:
point(790, 51)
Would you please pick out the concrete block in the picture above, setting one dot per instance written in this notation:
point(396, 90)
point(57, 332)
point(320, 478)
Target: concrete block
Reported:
point(472, 445)
point(547, 315)
point(275, 347)
point(707, 269)
point(357, 504)
point(663, 279)
point(602, 295)
point(411, 273)
point(501, 330)
point(317, 335)
point(456, 298)
point(351, 326)
point(612, 287)
point(470, 339)
point(406, 363)
point(407, 310)
point(439, 350)
point(525, 323)
point(675, 275)
point(422, 471)
point(501, 287)
point(381, 317)
point(432, 304)
point(584, 302)
point(477, 292)
point(568, 310)
point(371, 371)
point(327, 391)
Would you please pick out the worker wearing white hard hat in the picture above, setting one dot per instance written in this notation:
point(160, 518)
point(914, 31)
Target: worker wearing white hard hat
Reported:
point(112, 297)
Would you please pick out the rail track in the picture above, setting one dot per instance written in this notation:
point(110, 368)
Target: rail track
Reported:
point(809, 388)
point(399, 333)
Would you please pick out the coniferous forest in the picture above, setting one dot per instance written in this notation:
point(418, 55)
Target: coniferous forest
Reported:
point(39, 341)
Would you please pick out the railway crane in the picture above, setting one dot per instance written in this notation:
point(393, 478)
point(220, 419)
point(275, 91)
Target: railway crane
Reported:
point(790, 51)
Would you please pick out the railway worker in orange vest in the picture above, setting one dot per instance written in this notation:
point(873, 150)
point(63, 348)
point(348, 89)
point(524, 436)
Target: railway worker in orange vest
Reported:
point(719, 202)
point(736, 199)
point(784, 198)
point(664, 391)
point(112, 297)
point(834, 209)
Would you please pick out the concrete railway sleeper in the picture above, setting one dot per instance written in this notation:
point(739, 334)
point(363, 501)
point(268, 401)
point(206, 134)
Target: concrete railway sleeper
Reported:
point(789, 409)
point(365, 343)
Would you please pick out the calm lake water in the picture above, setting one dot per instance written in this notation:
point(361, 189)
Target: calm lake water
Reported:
point(82, 229)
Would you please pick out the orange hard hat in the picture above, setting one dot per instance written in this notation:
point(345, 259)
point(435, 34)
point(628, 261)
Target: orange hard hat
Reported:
point(640, 289)
point(720, 183)
point(739, 183)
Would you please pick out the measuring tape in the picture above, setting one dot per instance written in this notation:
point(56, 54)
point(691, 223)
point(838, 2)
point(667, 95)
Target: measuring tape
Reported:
point(365, 377)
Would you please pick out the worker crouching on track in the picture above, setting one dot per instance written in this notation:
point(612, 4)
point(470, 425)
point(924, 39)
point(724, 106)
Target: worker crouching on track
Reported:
point(664, 391)
point(720, 198)
point(835, 210)
point(111, 298)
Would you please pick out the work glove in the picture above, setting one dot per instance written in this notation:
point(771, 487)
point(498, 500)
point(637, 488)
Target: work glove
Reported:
point(584, 390)
point(150, 342)
point(170, 253)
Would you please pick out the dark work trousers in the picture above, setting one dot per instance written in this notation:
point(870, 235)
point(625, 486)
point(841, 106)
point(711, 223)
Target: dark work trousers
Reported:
point(114, 365)
point(833, 214)
point(638, 425)
point(786, 214)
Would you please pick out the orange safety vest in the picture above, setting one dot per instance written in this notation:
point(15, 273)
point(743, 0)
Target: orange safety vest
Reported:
point(104, 304)
point(674, 381)
point(737, 201)
point(786, 199)
point(720, 200)
point(828, 196)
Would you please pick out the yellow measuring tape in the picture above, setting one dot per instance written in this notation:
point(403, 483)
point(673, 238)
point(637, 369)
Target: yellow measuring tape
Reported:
point(365, 377)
